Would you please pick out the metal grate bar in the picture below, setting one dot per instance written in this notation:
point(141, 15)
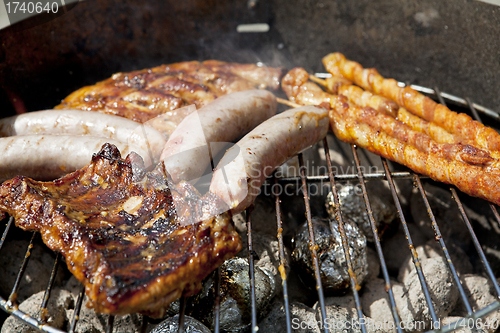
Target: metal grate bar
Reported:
point(217, 301)
point(495, 213)
point(13, 294)
point(413, 252)
point(251, 271)
point(78, 307)
point(46, 295)
point(182, 314)
point(477, 245)
point(439, 238)
point(144, 325)
point(27, 318)
point(344, 177)
point(282, 270)
point(475, 241)
point(352, 276)
point(473, 110)
point(6, 231)
point(111, 321)
point(312, 244)
point(378, 246)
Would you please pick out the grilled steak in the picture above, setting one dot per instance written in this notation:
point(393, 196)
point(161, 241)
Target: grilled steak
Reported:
point(144, 94)
point(120, 233)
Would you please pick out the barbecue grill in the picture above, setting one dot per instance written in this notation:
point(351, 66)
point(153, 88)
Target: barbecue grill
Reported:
point(36, 95)
point(9, 304)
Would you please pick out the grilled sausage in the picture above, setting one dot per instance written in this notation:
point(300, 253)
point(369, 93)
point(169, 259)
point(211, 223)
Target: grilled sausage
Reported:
point(190, 147)
point(76, 122)
point(46, 157)
point(245, 166)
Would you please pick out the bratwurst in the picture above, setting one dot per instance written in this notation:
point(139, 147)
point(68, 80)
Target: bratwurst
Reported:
point(46, 157)
point(77, 122)
point(200, 136)
point(241, 172)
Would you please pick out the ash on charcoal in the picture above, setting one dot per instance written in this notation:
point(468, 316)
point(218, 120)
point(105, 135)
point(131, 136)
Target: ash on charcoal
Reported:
point(480, 294)
point(442, 288)
point(395, 248)
point(447, 215)
point(263, 217)
point(373, 264)
point(341, 315)
point(37, 273)
point(234, 296)
point(59, 301)
point(303, 319)
point(171, 325)
point(266, 249)
point(332, 263)
point(91, 322)
point(459, 258)
point(352, 206)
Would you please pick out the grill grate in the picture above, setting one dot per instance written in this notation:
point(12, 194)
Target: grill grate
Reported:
point(10, 306)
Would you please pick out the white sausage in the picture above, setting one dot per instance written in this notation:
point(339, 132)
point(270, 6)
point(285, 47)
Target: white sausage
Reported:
point(46, 157)
point(186, 155)
point(77, 122)
point(241, 172)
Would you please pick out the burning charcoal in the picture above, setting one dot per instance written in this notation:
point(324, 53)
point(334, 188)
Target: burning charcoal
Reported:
point(91, 322)
point(353, 207)
point(446, 213)
point(37, 273)
point(444, 293)
point(234, 296)
point(267, 257)
point(171, 325)
point(58, 302)
point(333, 266)
point(376, 306)
point(373, 264)
point(458, 256)
point(303, 319)
point(341, 315)
point(480, 294)
point(395, 248)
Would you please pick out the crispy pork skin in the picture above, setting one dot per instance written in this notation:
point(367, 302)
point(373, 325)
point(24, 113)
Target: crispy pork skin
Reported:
point(121, 235)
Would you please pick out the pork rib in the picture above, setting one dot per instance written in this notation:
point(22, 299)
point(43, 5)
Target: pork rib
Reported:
point(144, 94)
point(121, 235)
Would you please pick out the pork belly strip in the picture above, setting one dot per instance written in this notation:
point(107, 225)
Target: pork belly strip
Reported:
point(119, 232)
point(299, 90)
point(144, 94)
point(478, 181)
point(340, 86)
point(458, 124)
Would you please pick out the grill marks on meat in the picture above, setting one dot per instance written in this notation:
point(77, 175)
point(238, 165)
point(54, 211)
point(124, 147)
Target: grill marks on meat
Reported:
point(144, 94)
point(120, 233)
